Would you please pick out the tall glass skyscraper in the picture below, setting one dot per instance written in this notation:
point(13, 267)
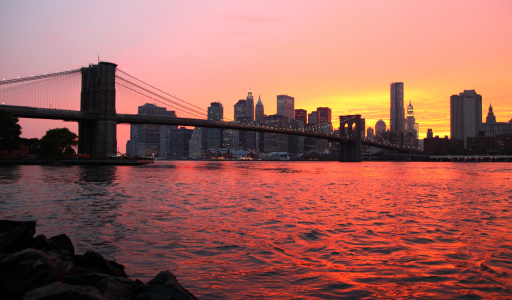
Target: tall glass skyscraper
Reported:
point(286, 106)
point(260, 112)
point(215, 113)
point(397, 115)
point(465, 115)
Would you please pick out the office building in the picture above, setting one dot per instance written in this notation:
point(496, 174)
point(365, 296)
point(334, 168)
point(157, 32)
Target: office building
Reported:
point(239, 109)
point(198, 143)
point(430, 133)
point(295, 142)
point(369, 133)
point(301, 115)
point(465, 115)
point(276, 142)
point(165, 136)
point(145, 138)
point(260, 112)
point(286, 106)
point(312, 119)
point(396, 115)
point(249, 106)
point(215, 113)
point(324, 115)
point(380, 127)
point(179, 145)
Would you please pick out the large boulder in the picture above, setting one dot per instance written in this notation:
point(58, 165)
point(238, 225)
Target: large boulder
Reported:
point(29, 269)
point(16, 235)
point(62, 242)
point(95, 261)
point(164, 286)
point(110, 286)
point(62, 291)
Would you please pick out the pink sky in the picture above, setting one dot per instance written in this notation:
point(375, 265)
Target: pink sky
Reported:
point(340, 54)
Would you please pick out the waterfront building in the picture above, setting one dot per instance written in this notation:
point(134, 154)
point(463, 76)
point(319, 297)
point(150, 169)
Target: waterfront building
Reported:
point(438, 146)
point(380, 127)
point(215, 113)
point(249, 106)
point(180, 142)
point(465, 115)
point(198, 143)
point(276, 142)
point(302, 115)
point(145, 138)
point(286, 106)
point(260, 112)
point(396, 115)
point(165, 135)
point(230, 139)
point(493, 128)
point(295, 142)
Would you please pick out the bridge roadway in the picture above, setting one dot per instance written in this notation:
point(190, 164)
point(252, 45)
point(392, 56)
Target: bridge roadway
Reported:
point(71, 115)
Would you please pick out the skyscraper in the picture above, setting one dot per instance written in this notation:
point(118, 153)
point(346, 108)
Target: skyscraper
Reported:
point(145, 138)
point(260, 112)
point(313, 118)
point(301, 115)
point(396, 115)
point(276, 142)
point(249, 106)
point(239, 109)
point(286, 106)
point(411, 126)
point(465, 115)
point(380, 127)
point(324, 115)
point(215, 113)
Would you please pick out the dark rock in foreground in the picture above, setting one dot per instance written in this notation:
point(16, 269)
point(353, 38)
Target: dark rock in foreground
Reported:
point(40, 268)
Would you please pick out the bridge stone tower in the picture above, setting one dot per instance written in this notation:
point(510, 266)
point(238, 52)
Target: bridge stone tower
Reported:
point(98, 137)
point(351, 149)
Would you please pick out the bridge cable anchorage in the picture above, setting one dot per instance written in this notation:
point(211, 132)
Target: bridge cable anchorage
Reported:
point(155, 94)
point(190, 113)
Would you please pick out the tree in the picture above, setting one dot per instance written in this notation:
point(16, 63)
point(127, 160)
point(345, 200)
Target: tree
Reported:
point(58, 142)
point(10, 131)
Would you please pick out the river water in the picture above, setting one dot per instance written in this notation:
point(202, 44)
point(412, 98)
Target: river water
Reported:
point(284, 230)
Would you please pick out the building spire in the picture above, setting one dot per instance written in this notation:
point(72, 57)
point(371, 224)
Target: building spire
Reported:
point(491, 118)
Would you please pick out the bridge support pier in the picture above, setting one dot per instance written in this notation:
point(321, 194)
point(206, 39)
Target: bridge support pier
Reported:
point(98, 137)
point(351, 150)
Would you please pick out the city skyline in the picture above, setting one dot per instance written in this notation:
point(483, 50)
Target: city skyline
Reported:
point(215, 52)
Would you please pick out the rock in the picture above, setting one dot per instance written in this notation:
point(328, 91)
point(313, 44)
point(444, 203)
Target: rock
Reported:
point(164, 286)
point(95, 279)
point(42, 243)
point(62, 291)
point(92, 259)
point(62, 242)
point(112, 287)
point(115, 289)
point(29, 269)
point(7, 225)
point(16, 236)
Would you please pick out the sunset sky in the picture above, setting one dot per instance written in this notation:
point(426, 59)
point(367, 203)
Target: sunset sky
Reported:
point(340, 54)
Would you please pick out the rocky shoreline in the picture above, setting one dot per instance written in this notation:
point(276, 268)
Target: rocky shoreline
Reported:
point(37, 268)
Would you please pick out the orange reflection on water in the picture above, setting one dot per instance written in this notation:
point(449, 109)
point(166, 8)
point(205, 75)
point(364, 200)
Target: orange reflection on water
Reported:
point(287, 230)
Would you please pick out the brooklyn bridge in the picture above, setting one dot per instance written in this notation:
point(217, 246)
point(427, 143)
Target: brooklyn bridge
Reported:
point(48, 96)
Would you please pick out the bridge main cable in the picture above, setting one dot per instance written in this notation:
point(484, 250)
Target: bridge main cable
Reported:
point(31, 78)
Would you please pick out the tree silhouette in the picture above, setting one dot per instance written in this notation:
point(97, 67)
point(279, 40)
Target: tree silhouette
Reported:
point(58, 142)
point(10, 131)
